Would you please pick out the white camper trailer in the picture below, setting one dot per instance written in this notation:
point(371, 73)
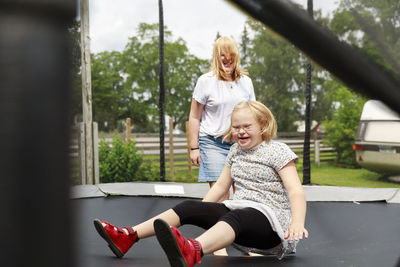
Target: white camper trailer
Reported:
point(377, 143)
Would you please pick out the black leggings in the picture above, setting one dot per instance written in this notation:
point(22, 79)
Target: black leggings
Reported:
point(251, 227)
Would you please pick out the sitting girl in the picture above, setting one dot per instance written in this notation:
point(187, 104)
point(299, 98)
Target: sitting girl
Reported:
point(266, 214)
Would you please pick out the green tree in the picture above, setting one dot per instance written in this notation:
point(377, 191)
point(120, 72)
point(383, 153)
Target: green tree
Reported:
point(107, 89)
point(217, 36)
point(274, 66)
point(278, 70)
point(141, 65)
point(342, 126)
point(244, 47)
point(373, 28)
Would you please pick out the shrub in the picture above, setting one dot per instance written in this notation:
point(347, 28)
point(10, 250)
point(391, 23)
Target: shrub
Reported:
point(120, 162)
point(341, 129)
point(152, 171)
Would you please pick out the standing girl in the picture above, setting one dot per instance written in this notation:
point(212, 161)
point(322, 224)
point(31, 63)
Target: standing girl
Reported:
point(267, 212)
point(215, 95)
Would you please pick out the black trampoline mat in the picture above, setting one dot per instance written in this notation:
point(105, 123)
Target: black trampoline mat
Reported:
point(341, 234)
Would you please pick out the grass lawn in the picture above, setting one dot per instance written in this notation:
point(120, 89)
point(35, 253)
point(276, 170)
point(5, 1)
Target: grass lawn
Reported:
point(325, 174)
point(329, 174)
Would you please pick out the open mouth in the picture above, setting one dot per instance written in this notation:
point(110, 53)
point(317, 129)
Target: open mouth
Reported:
point(243, 139)
point(227, 65)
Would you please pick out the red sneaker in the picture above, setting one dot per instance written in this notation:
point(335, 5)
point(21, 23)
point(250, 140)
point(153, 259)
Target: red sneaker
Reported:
point(181, 252)
point(118, 241)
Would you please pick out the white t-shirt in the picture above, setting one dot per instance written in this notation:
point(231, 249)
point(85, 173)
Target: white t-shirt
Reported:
point(219, 98)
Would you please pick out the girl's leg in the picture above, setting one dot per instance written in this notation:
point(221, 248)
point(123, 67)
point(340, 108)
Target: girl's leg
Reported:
point(217, 237)
point(187, 252)
point(180, 249)
point(201, 214)
point(252, 228)
point(247, 227)
point(120, 240)
point(146, 229)
point(222, 251)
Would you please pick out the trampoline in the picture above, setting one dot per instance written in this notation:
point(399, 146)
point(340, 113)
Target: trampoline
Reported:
point(342, 233)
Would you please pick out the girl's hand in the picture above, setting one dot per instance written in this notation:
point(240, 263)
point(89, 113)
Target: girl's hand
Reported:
point(195, 157)
point(296, 232)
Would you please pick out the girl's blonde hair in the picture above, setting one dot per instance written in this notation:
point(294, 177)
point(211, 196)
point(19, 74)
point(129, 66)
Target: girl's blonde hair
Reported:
point(227, 46)
point(262, 115)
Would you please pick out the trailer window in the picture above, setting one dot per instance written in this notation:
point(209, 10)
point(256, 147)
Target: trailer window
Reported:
point(383, 131)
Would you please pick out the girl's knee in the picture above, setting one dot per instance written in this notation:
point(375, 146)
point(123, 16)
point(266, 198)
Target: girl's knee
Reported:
point(185, 206)
point(187, 203)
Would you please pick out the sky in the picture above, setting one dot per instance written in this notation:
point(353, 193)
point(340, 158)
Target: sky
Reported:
point(112, 22)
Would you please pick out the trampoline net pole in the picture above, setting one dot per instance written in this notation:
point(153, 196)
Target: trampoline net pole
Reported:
point(162, 96)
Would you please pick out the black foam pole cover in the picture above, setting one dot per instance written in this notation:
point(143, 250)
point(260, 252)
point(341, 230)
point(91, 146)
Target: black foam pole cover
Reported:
point(34, 96)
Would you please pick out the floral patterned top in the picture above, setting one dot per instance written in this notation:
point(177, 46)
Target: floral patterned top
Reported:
point(258, 184)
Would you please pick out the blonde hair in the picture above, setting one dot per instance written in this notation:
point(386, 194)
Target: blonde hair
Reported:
point(261, 114)
point(227, 46)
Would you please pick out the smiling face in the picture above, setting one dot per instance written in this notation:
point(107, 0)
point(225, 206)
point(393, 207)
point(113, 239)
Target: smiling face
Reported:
point(227, 62)
point(246, 131)
point(225, 59)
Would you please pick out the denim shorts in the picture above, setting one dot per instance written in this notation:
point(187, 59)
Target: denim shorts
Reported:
point(213, 154)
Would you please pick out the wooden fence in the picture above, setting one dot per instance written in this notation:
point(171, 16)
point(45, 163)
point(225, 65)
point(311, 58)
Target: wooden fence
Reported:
point(176, 145)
